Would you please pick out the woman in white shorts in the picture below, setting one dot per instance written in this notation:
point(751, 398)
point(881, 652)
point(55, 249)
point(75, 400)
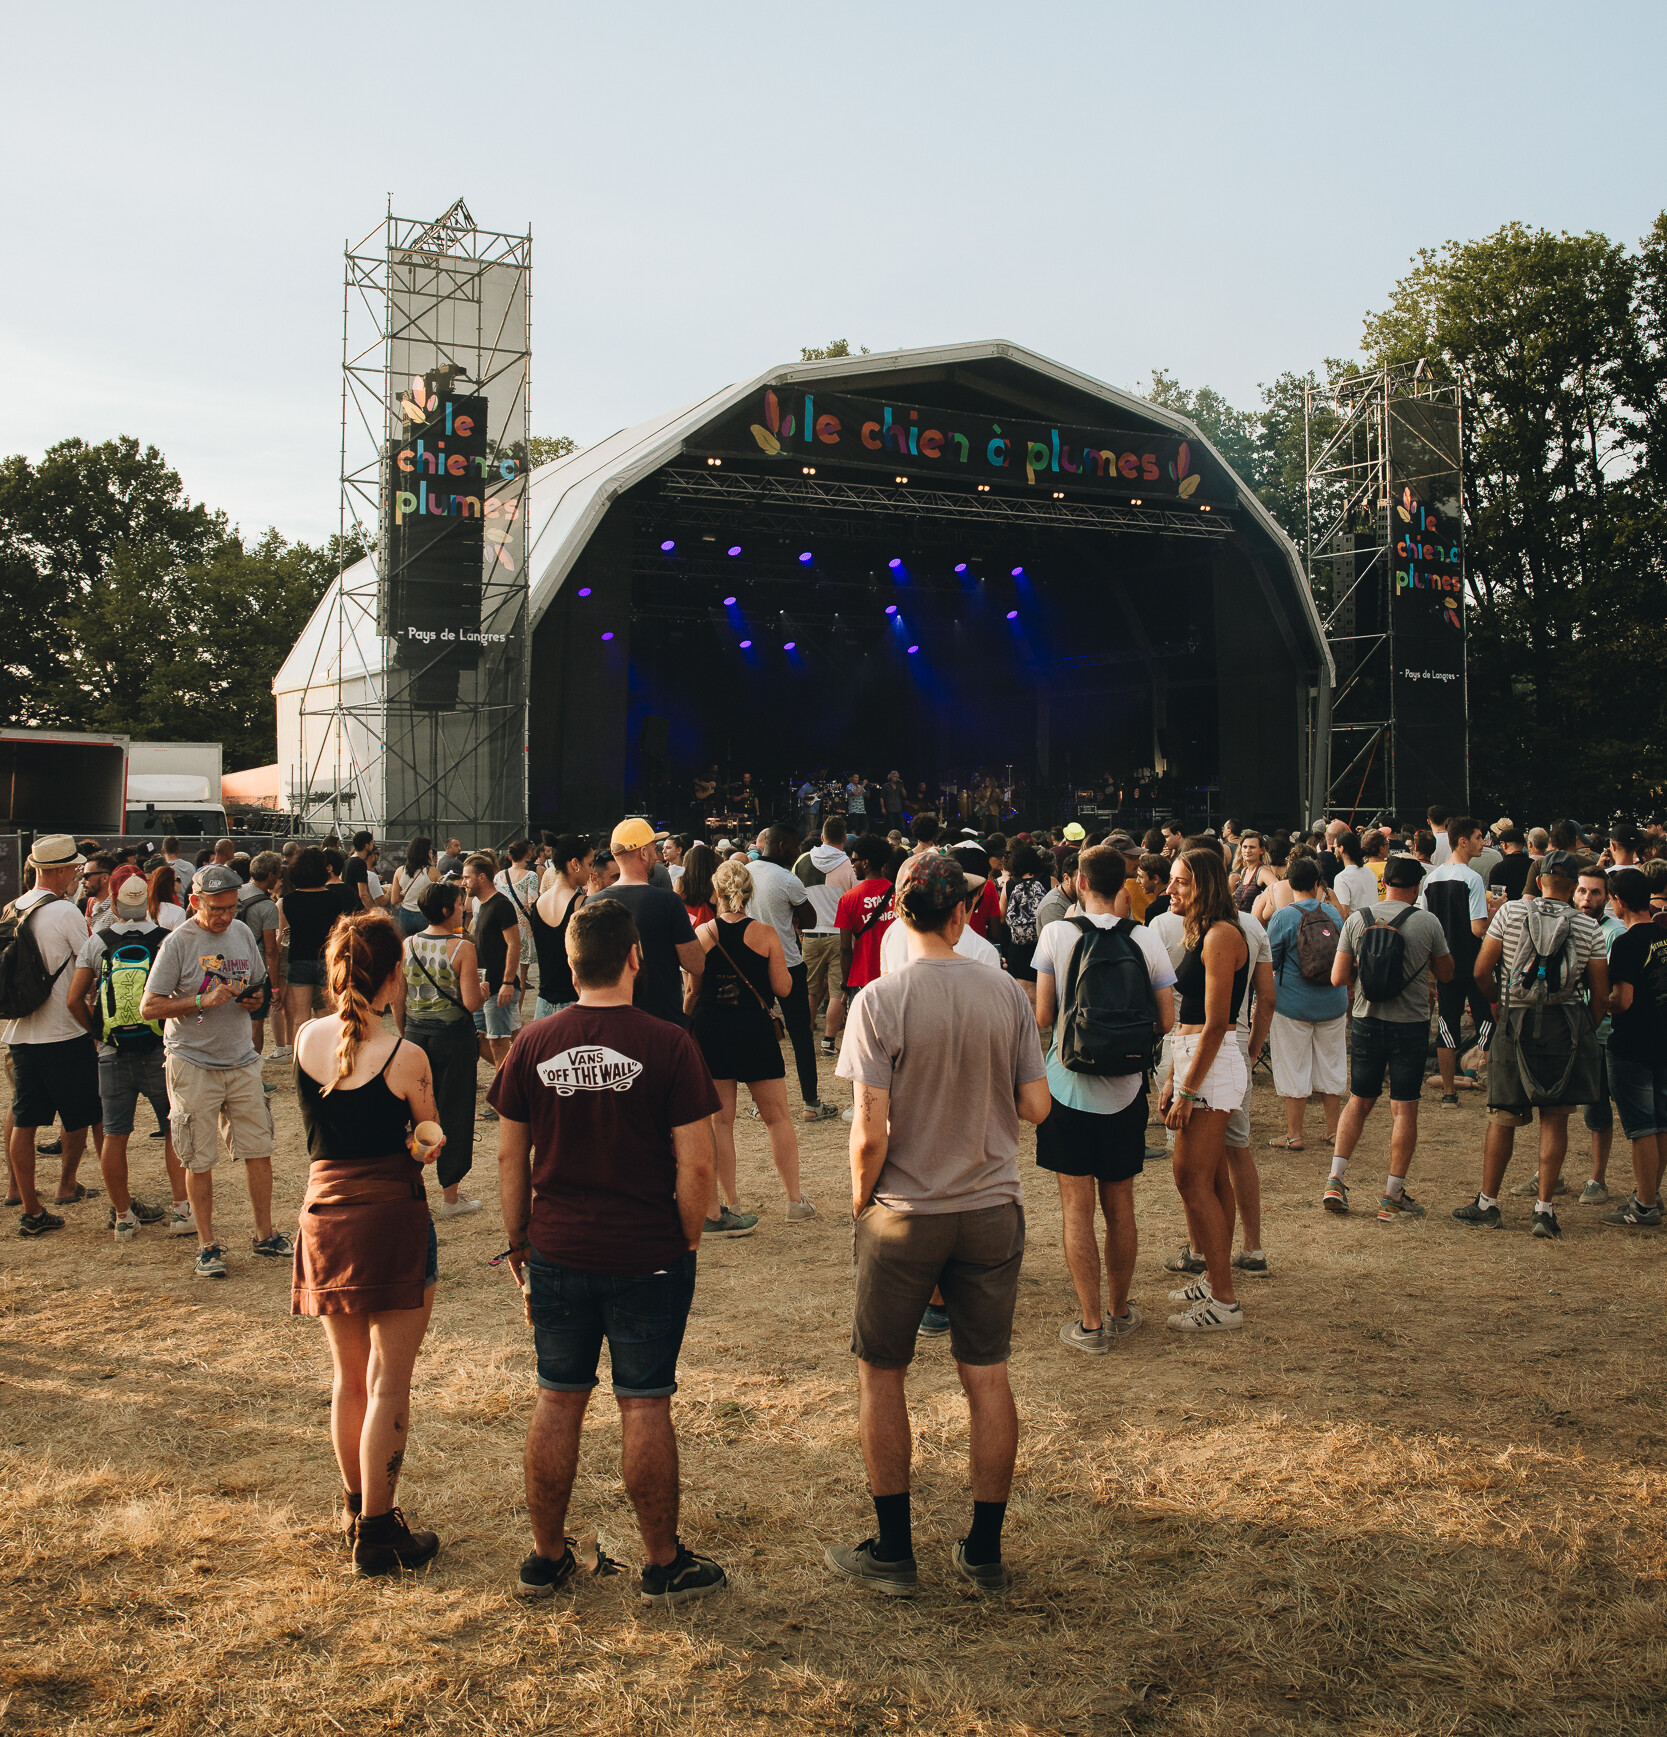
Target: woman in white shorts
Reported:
point(1207, 1080)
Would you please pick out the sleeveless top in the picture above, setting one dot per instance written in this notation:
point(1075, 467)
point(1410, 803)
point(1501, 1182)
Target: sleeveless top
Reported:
point(415, 887)
point(1189, 986)
point(555, 975)
point(723, 994)
point(352, 1124)
point(433, 995)
point(1247, 890)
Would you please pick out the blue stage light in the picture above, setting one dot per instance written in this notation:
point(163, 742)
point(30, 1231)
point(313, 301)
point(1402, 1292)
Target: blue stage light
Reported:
point(790, 645)
point(729, 603)
point(735, 548)
point(806, 558)
point(1012, 615)
point(667, 546)
point(895, 562)
point(746, 645)
point(1018, 572)
point(913, 649)
point(607, 636)
point(891, 609)
point(960, 566)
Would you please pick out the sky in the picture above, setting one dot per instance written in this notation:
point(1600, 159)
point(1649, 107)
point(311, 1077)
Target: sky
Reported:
point(1223, 191)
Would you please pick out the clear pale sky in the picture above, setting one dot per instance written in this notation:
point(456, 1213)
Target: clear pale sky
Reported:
point(1221, 190)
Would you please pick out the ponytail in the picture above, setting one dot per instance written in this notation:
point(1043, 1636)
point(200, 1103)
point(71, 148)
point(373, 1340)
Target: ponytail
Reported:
point(362, 953)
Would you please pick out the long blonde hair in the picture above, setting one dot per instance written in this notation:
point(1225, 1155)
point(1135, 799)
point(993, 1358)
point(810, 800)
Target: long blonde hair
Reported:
point(1212, 897)
point(363, 952)
point(731, 887)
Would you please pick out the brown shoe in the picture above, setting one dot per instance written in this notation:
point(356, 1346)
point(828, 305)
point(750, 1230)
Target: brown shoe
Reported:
point(347, 1521)
point(384, 1544)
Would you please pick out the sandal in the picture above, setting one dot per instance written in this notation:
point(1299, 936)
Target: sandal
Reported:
point(1284, 1143)
point(82, 1192)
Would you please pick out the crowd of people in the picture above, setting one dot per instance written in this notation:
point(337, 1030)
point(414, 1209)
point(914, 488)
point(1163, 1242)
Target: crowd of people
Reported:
point(965, 985)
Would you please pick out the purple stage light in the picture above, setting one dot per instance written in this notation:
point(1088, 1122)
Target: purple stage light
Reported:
point(667, 546)
point(1018, 572)
point(746, 645)
point(895, 562)
point(790, 645)
point(891, 609)
point(1012, 615)
point(729, 603)
point(607, 636)
point(735, 548)
point(960, 566)
point(913, 649)
point(806, 558)
point(584, 591)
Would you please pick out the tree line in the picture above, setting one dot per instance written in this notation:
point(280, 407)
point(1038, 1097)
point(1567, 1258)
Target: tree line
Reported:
point(133, 608)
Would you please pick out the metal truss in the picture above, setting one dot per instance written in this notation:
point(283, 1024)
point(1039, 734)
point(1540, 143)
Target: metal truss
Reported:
point(442, 298)
point(788, 500)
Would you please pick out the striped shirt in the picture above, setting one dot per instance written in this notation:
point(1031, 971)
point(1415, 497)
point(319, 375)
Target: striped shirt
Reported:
point(1510, 928)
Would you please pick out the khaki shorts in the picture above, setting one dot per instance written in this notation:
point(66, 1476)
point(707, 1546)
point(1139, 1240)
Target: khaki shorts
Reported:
point(900, 1256)
point(1524, 1118)
point(208, 1105)
point(824, 974)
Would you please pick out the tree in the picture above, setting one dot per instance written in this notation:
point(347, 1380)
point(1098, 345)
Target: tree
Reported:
point(831, 351)
point(542, 448)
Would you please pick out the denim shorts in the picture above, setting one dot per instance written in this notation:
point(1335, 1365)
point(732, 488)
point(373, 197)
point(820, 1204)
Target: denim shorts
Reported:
point(542, 1009)
point(1640, 1094)
point(642, 1318)
point(124, 1078)
point(306, 973)
point(1398, 1046)
point(495, 1021)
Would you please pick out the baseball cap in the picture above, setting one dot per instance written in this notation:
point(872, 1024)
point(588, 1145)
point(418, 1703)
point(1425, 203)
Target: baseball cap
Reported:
point(216, 877)
point(1562, 863)
point(631, 835)
point(131, 896)
point(1075, 833)
point(1402, 871)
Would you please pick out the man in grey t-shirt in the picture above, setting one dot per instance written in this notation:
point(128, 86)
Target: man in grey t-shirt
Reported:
point(208, 982)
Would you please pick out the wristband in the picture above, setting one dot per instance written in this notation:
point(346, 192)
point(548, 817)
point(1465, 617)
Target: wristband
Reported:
point(1182, 1092)
point(197, 1001)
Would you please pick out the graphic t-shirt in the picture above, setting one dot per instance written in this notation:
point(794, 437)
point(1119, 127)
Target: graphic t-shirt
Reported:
point(91, 958)
point(855, 908)
point(601, 1089)
point(663, 926)
point(192, 962)
point(1639, 957)
point(985, 910)
point(497, 917)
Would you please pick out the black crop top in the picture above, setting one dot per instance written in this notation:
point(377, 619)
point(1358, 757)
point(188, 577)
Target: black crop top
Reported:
point(352, 1122)
point(1189, 985)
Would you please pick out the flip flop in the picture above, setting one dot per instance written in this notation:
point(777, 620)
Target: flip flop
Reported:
point(1284, 1143)
point(82, 1192)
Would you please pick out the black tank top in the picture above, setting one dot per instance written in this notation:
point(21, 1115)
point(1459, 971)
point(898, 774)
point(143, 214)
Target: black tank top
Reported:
point(723, 984)
point(1189, 980)
point(555, 975)
point(352, 1122)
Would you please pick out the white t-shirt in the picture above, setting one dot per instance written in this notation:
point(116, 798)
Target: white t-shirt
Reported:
point(1467, 877)
point(1054, 947)
point(776, 891)
point(894, 948)
point(1443, 848)
point(1357, 887)
point(1170, 929)
point(60, 932)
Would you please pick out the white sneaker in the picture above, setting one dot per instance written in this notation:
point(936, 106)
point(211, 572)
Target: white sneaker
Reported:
point(287, 1053)
point(126, 1228)
point(847, 1115)
point(1209, 1317)
point(1197, 1292)
point(801, 1209)
point(181, 1220)
point(458, 1208)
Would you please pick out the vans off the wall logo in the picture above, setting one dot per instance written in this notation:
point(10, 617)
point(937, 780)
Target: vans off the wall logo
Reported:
point(589, 1068)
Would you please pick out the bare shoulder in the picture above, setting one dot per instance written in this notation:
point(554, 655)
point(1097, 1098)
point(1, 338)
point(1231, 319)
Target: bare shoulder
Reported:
point(409, 1063)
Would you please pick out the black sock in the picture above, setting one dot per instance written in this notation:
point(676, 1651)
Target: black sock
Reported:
point(896, 1539)
point(982, 1545)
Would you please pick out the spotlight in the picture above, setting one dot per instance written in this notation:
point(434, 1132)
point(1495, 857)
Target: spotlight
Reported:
point(806, 558)
point(983, 488)
point(584, 591)
point(746, 645)
point(1018, 572)
point(902, 479)
point(1012, 615)
point(729, 603)
point(735, 548)
point(607, 636)
point(714, 461)
point(790, 645)
point(1059, 494)
point(960, 566)
point(913, 649)
point(891, 609)
point(1203, 509)
point(808, 470)
point(1134, 503)
point(667, 546)
point(895, 562)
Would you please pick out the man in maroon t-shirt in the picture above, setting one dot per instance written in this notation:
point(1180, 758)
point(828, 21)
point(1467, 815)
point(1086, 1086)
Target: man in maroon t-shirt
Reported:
point(605, 1163)
point(864, 913)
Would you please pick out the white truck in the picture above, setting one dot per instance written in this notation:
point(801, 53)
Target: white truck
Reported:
point(174, 787)
point(62, 781)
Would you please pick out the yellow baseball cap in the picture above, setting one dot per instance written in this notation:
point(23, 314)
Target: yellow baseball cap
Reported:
point(631, 835)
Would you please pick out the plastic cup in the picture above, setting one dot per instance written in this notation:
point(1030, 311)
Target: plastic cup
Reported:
point(425, 1139)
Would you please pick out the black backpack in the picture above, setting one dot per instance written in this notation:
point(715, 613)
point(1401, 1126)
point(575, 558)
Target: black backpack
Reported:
point(1108, 1013)
point(1381, 958)
point(25, 982)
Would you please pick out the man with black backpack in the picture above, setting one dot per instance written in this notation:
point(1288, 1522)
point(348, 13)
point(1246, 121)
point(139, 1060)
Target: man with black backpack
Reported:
point(109, 983)
point(1103, 997)
point(56, 1071)
point(1544, 1053)
point(1389, 953)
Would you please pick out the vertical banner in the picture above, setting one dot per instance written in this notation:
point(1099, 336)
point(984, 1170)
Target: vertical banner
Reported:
point(1426, 607)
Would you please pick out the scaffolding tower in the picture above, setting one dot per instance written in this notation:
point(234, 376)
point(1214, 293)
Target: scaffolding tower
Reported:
point(1367, 434)
point(414, 714)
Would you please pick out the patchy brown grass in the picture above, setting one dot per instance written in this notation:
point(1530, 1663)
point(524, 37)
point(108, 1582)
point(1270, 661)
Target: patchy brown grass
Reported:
point(1418, 1493)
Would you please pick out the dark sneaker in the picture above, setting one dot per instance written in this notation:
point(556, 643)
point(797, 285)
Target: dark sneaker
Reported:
point(1632, 1213)
point(39, 1223)
point(51, 1148)
point(986, 1576)
point(1081, 1338)
point(1449, 1100)
point(277, 1246)
point(1120, 1326)
point(1398, 1206)
point(141, 1210)
point(211, 1262)
point(541, 1577)
point(1594, 1193)
point(82, 1192)
point(1251, 1263)
point(729, 1222)
point(858, 1562)
point(1336, 1196)
point(1529, 1188)
point(686, 1576)
point(1545, 1224)
point(1187, 1261)
point(934, 1321)
point(1476, 1213)
point(384, 1544)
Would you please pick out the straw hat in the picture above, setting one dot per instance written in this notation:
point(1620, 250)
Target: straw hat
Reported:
point(55, 850)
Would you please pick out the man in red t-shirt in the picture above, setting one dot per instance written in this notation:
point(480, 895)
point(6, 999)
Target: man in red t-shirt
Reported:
point(864, 913)
point(605, 1164)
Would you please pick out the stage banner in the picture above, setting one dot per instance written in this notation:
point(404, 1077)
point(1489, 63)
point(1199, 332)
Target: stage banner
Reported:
point(798, 428)
point(1426, 609)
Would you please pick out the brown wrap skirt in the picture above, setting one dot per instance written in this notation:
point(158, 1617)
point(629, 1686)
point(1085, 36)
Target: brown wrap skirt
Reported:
point(363, 1242)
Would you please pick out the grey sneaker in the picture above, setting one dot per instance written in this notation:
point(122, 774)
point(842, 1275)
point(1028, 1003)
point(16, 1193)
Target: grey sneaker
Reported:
point(1632, 1213)
point(1081, 1338)
point(1489, 1217)
point(986, 1576)
point(1529, 1189)
point(934, 1322)
point(801, 1209)
point(1184, 1262)
point(1209, 1316)
point(1594, 1193)
point(1545, 1224)
point(276, 1247)
point(729, 1222)
point(858, 1562)
point(211, 1262)
point(1120, 1326)
point(1251, 1263)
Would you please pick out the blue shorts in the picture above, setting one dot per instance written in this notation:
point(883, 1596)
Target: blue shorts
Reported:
point(306, 973)
point(124, 1078)
point(1398, 1047)
point(643, 1319)
point(542, 1009)
point(1640, 1094)
point(495, 1021)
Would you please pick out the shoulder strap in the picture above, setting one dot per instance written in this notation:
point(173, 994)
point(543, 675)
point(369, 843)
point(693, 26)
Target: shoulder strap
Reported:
point(509, 887)
point(718, 942)
point(876, 914)
point(439, 988)
point(391, 1054)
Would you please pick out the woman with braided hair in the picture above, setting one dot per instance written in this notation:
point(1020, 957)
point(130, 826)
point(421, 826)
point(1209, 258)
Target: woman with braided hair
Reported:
point(365, 1258)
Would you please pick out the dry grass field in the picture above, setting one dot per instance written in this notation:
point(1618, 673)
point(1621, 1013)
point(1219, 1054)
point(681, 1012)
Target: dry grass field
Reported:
point(1420, 1493)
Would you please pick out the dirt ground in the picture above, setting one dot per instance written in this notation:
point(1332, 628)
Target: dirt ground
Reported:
point(1417, 1493)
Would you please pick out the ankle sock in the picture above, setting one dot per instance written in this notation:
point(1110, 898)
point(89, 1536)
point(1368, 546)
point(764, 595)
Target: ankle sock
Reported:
point(1395, 1187)
point(1339, 1168)
point(1543, 1206)
point(896, 1538)
point(1486, 1200)
point(982, 1545)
